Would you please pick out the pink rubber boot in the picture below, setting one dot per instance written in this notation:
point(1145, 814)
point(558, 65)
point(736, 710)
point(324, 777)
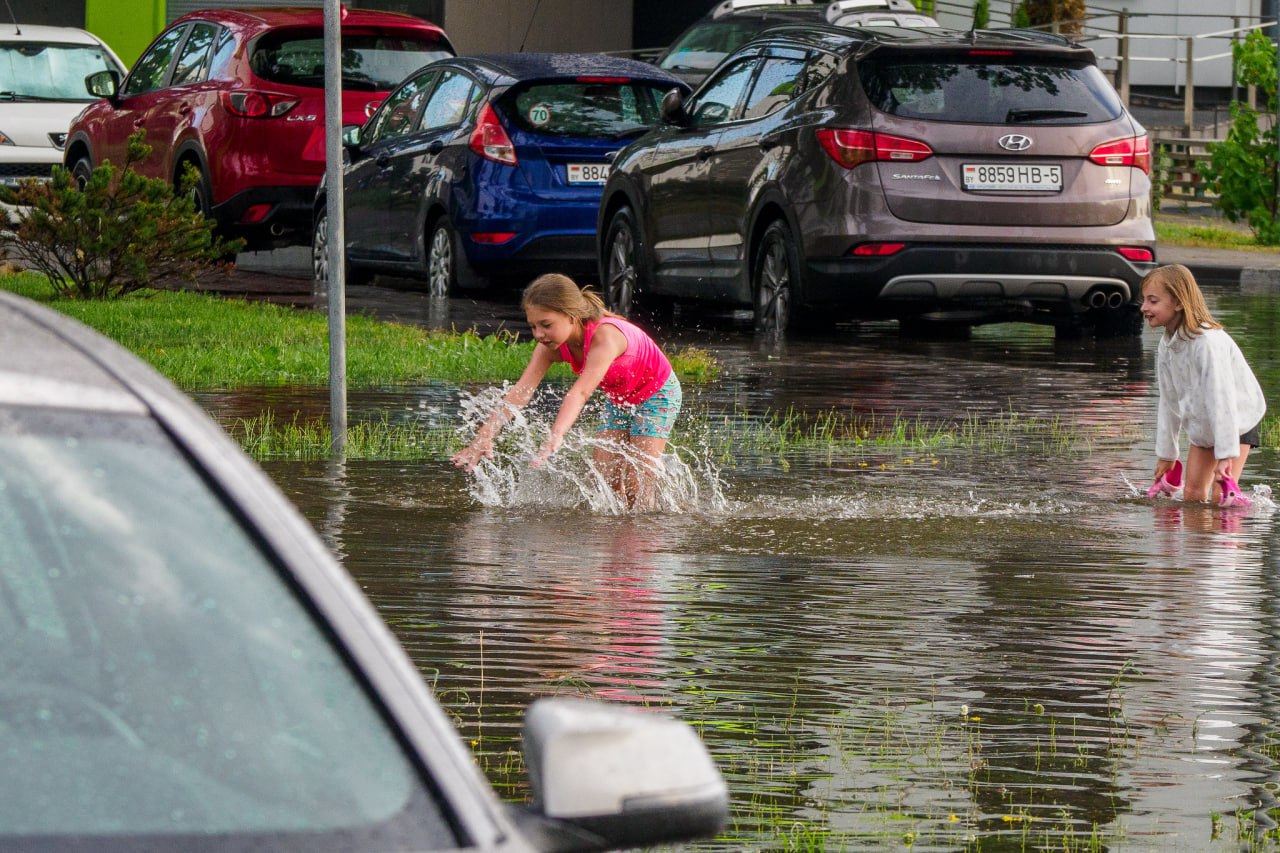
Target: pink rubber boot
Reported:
point(1170, 481)
point(1231, 494)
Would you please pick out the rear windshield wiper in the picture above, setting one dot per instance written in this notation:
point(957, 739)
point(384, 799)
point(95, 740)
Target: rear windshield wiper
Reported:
point(1015, 116)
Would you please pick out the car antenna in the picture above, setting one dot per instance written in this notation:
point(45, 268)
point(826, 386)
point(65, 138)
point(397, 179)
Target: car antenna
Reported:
point(532, 15)
point(17, 28)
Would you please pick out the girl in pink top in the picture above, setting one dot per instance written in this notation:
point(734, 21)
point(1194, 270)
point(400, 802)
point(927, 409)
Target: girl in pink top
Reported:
point(608, 352)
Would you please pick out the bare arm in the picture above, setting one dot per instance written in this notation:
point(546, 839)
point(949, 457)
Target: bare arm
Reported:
point(606, 346)
point(518, 397)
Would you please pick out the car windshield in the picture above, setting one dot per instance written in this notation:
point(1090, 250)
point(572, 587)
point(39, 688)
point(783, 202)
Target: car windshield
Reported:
point(605, 108)
point(703, 46)
point(49, 72)
point(371, 62)
point(984, 92)
point(160, 678)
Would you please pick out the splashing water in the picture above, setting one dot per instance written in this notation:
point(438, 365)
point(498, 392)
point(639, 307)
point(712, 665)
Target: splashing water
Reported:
point(1260, 499)
point(685, 480)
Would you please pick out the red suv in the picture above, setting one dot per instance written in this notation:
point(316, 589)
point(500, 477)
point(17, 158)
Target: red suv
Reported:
point(239, 94)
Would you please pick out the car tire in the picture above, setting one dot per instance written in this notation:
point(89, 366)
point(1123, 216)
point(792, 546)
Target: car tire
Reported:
point(774, 276)
point(623, 253)
point(320, 254)
point(447, 269)
point(81, 170)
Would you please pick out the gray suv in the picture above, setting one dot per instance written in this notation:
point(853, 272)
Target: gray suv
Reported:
point(941, 178)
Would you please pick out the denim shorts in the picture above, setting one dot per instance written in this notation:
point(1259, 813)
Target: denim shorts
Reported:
point(654, 418)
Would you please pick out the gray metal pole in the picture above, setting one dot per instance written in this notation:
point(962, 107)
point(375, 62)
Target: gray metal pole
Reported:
point(1189, 92)
point(334, 207)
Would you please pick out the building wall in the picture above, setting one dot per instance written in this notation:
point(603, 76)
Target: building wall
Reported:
point(479, 26)
point(128, 30)
point(49, 13)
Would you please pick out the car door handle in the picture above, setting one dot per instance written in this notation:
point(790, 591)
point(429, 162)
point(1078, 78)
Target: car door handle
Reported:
point(706, 151)
point(435, 147)
point(184, 109)
point(383, 161)
point(768, 142)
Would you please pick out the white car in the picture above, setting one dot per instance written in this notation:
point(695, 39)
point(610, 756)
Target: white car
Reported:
point(42, 71)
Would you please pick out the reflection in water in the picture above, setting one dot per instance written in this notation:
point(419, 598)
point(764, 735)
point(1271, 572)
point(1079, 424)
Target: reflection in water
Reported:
point(997, 650)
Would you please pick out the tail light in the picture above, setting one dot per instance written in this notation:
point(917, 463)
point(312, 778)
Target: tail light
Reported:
point(1138, 254)
point(852, 148)
point(490, 139)
point(877, 250)
point(1134, 151)
point(250, 104)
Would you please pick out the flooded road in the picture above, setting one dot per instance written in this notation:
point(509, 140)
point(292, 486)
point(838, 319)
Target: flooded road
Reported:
point(989, 644)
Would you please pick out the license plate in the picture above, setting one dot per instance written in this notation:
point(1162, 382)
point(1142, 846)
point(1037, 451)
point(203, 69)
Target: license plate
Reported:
point(588, 173)
point(1027, 177)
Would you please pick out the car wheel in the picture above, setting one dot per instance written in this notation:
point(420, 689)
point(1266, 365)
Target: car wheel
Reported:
point(447, 267)
point(320, 254)
point(774, 277)
point(622, 248)
point(81, 171)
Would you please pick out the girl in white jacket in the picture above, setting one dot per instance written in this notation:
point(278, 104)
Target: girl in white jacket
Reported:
point(1206, 388)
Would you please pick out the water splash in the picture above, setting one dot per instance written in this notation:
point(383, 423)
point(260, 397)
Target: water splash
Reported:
point(686, 480)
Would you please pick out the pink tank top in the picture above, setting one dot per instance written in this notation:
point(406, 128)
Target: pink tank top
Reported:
point(634, 376)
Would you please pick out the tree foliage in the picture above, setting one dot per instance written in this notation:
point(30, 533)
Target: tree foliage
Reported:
point(1069, 14)
point(1242, 168)
point(118, 233)
point(981, 14)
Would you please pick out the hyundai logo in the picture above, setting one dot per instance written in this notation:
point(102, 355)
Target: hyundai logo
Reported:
point(1015, 142)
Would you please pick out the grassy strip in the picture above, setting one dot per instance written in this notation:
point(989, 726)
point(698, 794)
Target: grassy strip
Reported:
point(1206, 236)
point(204, 342)
point(732, 439)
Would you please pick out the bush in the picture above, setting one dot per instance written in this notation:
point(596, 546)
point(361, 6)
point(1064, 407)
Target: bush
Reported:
point(1242, 168)
point(981, 14)
point(118, 233)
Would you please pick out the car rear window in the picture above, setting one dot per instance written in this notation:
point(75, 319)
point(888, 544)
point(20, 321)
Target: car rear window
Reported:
point(981, 91)
point(371, 62)
point(587, 107)
point(49, 72)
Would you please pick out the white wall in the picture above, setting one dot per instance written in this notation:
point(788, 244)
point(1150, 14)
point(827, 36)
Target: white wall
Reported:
point(479, 26)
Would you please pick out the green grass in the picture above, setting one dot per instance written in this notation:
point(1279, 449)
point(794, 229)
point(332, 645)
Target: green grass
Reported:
point(1209, 234)
point(204, 342)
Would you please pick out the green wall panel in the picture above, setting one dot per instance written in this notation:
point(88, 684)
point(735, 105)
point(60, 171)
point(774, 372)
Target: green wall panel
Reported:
point(127, 25)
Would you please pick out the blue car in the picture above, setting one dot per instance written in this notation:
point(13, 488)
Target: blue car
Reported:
point(489, 167)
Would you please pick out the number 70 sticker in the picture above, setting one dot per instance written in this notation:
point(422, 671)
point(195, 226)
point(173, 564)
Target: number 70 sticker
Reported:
point(539, 114)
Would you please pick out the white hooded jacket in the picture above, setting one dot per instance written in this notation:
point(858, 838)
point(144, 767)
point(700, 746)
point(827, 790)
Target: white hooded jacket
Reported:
point(1208, 390)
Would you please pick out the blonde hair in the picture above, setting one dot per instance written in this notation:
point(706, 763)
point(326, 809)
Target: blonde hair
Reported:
point(1180, 284)
point(556, 292)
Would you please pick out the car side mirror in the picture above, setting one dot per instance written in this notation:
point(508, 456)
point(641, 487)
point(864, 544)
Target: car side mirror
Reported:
point(607, 777)
point(672, 109)
point(103, 84)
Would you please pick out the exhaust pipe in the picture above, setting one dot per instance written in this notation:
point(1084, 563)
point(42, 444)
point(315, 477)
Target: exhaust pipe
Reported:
point(1096, 299)
point(1115, 299)
point(276, 229)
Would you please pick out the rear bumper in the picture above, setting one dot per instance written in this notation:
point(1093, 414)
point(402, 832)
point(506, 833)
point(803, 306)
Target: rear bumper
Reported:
point(287, 222)
point(572, 254)
point(928, 278)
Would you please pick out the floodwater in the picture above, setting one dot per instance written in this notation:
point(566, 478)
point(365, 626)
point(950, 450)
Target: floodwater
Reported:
point(943, 648)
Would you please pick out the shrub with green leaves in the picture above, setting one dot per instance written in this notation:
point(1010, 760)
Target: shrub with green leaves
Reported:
point(118, 233)
point(981, 14)
point(1242, 168)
